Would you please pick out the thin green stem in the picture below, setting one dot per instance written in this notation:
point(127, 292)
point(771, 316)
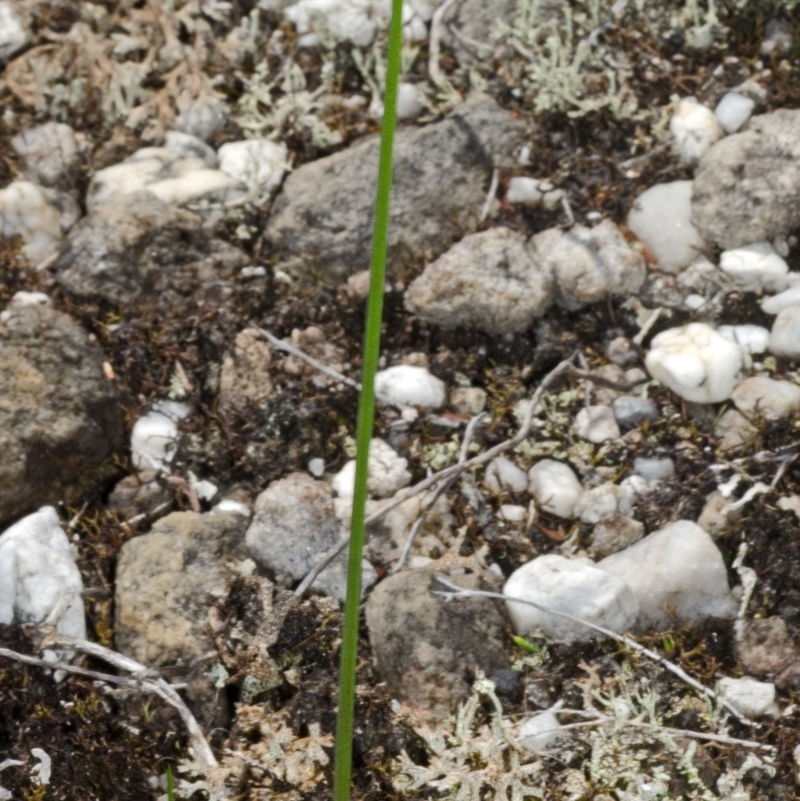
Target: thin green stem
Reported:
point(366, 415)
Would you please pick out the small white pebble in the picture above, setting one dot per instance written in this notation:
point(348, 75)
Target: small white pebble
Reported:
point(524, 190)
point(733, 111)
point(694, 129)
point(756, 266)
point(513, 513)
point(750, 338)
point(405, 385)
point(316, 467)
point(408, 103)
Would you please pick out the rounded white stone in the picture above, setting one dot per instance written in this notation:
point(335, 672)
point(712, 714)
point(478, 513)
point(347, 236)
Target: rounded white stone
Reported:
point(596, 424)
point(755, 266)
point(696, 362)
point(694, 129)
point(154, 436)
point(733, 111)
point(257, 163)
point(524, 190)
point(555, 487)
point(784, 339)
point(750, 338)
point(408, 103)
point(783, 300)
point(405, 385)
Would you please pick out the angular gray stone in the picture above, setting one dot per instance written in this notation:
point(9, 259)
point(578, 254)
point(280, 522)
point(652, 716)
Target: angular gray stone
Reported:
point(321, 224)
point(61, 420)
point(588, 264)
point(293, 525)
point(488, 281)
point(426, 648)
point(747, 187)
point(136, 248)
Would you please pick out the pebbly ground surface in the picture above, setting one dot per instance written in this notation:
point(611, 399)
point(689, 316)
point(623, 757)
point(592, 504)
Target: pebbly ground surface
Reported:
point(160, 264)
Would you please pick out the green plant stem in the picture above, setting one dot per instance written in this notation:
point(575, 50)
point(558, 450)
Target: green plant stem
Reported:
point(366, 415)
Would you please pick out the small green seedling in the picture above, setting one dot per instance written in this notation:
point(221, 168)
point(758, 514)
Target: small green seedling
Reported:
point(526, 645)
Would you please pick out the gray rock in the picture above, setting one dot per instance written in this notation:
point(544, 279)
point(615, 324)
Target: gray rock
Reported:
point(654, 468)
point(135, 248)
point(677, 570)
point(167, 580)
point(488, 281)
point(630, 410)
point(321, 224)
point(246, 377)
point(60, 417)
point(294, 524)
point(425, 648)
point(571, 586)
point(588, 264)
point(762, 396)
point(746, 187)
point(764, 647)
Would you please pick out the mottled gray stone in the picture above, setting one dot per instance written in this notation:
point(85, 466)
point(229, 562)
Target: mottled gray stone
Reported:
point(747, 187)
point(426, 649)
point(60, 417)
point(488, 281)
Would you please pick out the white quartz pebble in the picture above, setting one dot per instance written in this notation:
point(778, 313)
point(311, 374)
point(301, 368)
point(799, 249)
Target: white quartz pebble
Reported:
point(155, 435)
point(677, 574)
point(694, 129)
point(784, 338)
point(752, 698)
point(571, 586)
point(750, 338)
point(503, 474)
point(39, 577)
point(733, 111)
point(524, 190)
point(555, 487)
point(596, 424)
point(695, 362)
point(540, 732)
point(756, 266)
point(406, 385)
point(661, 218)
point(387, 472)
point(783, 300)
point(408, 102)
point(258, 163)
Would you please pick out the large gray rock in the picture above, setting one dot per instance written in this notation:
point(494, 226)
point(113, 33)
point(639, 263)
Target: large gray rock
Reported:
point(294, 524)
point(136, 248)
point(321, 225)
point(588, 264)
point(747, 187)
point(488, 281)
point(427, 648)
point(60, 417)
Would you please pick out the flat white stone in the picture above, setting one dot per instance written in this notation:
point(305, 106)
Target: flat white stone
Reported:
point(661, 218)
point(555, 487)
point(39, 577)
point(677, 570)
point(784, 339)
point(387, 472)
point(694, 129)
point(406, 385)
point(733, 111)
point(756, 266)
point(654, 468)
point(752, 698)
point(601, 502)
point(695, 362)
point(513, 513)
point(572, 586)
